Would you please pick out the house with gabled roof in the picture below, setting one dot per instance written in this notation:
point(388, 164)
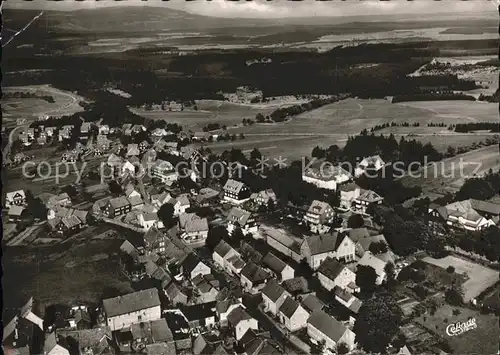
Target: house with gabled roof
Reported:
point(192, 266)
point(222, 252)
point(181, 204)
point(293, 315)
point(376, 262)
point(133, 150)
point(331, 273)
point(236, 264)
point(154, 241)
point(253, 277)
point(279, 268)
point(15, 198)
point(207, 287)
point(318, 216)
point(236, 192)
point(324, 328)
point(94, 341)
point(263, 197)
point(296, 286)
point(239, 218)
point(347, 299)
point(273, 296)
point(164, 171)
point(194, 229)
point(118, 206)
point(227, 301)
point(366, 199)
point(240, 321)
point(316, 248)
point(176, 294)
point(282, 241)
point(369, 165)
point(311, 303)
point(123, 311)
point(470, 214)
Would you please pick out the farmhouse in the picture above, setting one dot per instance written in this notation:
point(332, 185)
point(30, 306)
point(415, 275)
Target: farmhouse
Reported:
point(280, 269)
point(293, 315)
point(331, 273)
point(471, 214)
point(137, 307)
point(262, 198)
point(322, 327)
point(236, 192)
point(282, 242)
point(239, 218)
point(273, 296)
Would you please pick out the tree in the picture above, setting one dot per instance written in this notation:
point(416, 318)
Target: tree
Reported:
point(166, 215)
point(378, 247)
point(366, 278)
point(255, 154)
point(450, 269)
point(242, 136)
point(260, 117)
point(355, 221)
point(215, 235)
point(115, 188)
point(342, 348)
point(390, 272)
point(454, 296)
point(378, 322)
point(36, 207)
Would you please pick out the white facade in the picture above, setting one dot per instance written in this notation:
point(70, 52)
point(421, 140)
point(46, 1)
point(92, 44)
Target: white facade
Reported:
point(346, 250)
point(322, 184)
point(243, 326)
point(344, 278)
point(201, 268)
point(347, 338)
point(125, 320)
point(297, 321)
point(271, 306)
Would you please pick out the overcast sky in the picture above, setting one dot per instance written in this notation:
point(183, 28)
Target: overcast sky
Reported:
point(276, 8)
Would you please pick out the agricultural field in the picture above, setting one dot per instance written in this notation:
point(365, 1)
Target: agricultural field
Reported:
point(482, 340)
point(66, 103)
point(479, 277)
point(449, 174)
point(332, 124)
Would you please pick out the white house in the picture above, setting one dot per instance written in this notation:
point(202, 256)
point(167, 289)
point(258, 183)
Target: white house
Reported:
point(50, 346)
point(293, 315)
point(222, 252)
point(123, 311)
point(194, 229)
point(323, 327)
point(147, 220)
point(281, 270)
point(236, 192)
point(15, 198)
point(238, 217)
point(366, 199)
point(326, 176)
point(318, 215)
point(369, 164)
point(181, 204)
point(164, 171)
point(241, 322)
point(273, 296)
point(348, 193)
point(316, 248)
point(191, 267)
point(331, 273)
point(377, 263)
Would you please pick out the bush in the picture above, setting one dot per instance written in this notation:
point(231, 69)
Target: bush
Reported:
point(450, 269)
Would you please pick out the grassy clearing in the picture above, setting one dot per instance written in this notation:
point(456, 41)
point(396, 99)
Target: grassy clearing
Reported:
point(479, 278)
point(482, 340)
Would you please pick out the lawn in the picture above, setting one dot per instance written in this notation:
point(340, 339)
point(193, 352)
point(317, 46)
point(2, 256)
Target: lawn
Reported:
point(479, 277)
point(449, 174)
point(482, 340)
point(79, 271)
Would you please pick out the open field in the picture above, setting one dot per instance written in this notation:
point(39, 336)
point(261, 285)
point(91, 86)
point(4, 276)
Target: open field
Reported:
point(449, 174)
point(457, 111)
point(332, 124)
point(75, 265)
point(479, 277)
point(482, 340)
point(66, 103)
point(214, 111)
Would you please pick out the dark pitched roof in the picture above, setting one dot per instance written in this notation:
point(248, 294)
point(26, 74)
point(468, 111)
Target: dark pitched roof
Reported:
point(237, 315)
point(297, 284)
point(319, 244)
point(249, 253)
point(312, 303)
point(222, 248)
point(131, 302)
point(190, 262)
point(358, 233)
point(327, 325)
point(153, 235)
point(199, 311)
point(155, 331)
point(331, 268)
point(289, 307)
point(273, 290)
point(254, 272)
point(274, 263)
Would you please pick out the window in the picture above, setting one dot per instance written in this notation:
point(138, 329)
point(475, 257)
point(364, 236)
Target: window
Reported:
point(139, 318)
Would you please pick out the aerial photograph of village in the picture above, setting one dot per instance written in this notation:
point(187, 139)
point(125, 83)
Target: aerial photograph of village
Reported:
point(250, 178)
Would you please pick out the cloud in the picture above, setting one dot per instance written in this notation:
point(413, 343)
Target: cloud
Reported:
point(276, 8)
